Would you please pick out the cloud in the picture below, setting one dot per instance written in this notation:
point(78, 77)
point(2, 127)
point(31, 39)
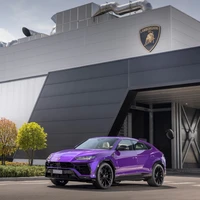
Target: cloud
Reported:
point(5, 36)
point(31, 17)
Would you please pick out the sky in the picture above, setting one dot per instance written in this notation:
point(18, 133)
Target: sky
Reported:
point(36, 14)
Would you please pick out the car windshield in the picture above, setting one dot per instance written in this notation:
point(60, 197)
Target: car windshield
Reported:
point(98, 143)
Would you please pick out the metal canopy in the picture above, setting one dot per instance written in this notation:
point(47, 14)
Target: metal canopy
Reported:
point(189, 96)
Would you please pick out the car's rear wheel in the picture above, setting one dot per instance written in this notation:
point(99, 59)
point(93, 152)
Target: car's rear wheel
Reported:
point(59, 182)
point(157, 177)
point(104, 176)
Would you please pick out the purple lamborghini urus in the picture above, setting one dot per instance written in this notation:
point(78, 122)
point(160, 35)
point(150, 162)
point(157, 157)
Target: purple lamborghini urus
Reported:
point(104, 161)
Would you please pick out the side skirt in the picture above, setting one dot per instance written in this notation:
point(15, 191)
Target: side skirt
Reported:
point(133, 177)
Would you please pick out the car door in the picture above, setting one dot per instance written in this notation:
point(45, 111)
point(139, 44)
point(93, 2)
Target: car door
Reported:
point(143, 155)
point(126, 159)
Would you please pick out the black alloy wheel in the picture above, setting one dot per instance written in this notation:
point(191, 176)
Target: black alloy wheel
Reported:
point(104, 178)
point(59, 182)
point(159, 175)
point(157, 178)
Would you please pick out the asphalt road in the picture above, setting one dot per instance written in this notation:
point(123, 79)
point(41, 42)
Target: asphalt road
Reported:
point(174, 188)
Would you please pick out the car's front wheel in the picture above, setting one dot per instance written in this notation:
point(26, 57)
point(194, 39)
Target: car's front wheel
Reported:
point(104, 176)
point(59, 182)
point(157, 177)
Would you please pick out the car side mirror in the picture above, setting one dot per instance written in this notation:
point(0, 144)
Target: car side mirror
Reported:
point(122, 148)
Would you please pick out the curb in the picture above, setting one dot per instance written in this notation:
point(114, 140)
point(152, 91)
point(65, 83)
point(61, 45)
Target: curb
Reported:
point(183, 173)
point(23, 178)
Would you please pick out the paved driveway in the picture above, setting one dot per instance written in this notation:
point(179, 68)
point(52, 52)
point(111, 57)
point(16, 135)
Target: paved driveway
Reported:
point(175, 188)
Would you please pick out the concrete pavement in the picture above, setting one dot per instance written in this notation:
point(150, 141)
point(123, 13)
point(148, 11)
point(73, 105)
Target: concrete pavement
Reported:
point(175, 187)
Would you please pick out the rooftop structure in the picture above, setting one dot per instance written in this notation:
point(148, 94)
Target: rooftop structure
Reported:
point(83, 16)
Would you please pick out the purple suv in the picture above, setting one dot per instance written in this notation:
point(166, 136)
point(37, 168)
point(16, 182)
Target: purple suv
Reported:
point(104, 161)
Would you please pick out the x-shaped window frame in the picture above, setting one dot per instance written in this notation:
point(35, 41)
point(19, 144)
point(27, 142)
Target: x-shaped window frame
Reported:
point(191, 132)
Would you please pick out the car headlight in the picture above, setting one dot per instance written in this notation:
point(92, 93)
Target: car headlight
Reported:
point(85, 158)
point(49, 157)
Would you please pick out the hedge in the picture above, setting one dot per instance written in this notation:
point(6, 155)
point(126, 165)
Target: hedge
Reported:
point(21, 170)
point(16, 163)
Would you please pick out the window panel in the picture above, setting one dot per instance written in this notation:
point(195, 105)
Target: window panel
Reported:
point(127, 144)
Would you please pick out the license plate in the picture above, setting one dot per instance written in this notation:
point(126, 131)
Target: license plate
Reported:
point(56, 171)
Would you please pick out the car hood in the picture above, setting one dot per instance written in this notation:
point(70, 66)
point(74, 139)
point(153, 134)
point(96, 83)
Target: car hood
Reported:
point(71, 154)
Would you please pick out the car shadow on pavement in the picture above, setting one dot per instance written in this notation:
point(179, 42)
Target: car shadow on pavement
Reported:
point(115, 188)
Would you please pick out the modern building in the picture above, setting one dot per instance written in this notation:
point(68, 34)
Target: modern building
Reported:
point(107, 70)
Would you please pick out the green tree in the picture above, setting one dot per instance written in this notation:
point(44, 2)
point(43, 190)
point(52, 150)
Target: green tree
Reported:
point(8, 136)
point(31, 137)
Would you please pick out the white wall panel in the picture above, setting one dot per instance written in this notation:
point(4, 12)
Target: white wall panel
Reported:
point(17, 99)
point(111, 40)
point(185, 30)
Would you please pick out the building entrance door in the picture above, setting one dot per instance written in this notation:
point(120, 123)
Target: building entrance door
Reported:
point(150, 123)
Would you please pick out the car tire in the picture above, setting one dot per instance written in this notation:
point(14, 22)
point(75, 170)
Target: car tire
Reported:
point(59, 182)
point(157, 177)
point(104, 176)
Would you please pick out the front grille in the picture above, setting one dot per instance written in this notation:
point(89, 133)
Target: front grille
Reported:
point(83, 169)
point(61, 165)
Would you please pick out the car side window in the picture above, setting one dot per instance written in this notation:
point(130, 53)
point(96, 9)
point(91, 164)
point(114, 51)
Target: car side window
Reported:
point(125, 145)
point(140, 146)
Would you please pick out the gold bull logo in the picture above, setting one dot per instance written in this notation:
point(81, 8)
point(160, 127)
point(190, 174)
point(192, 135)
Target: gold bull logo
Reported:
point(149, 37)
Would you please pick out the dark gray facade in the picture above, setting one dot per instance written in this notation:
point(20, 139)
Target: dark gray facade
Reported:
point(90, 101)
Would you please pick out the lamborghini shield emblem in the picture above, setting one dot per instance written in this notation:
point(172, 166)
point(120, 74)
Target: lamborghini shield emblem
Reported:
point(150, 36)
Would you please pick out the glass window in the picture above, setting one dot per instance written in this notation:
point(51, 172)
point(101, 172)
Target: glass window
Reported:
point(140, 146)
point(125, 145)
point(98, 143)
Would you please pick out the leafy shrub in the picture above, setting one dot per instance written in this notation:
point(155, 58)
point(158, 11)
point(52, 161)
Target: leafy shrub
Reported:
point(21, 171)
point(15, 163)
point(8, 136)
point(31, 137)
